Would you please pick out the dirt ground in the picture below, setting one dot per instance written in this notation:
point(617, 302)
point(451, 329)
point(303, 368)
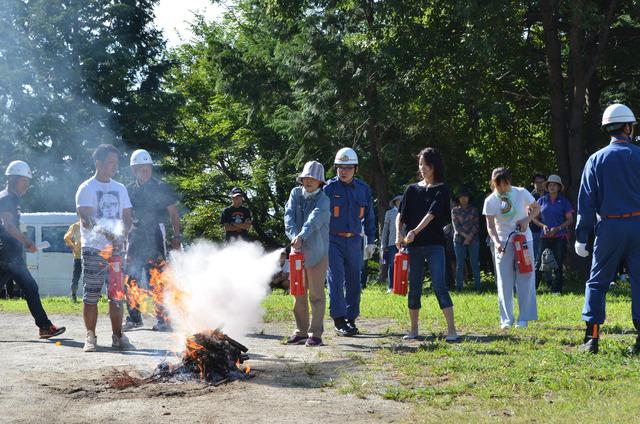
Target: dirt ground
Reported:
point(41, 380)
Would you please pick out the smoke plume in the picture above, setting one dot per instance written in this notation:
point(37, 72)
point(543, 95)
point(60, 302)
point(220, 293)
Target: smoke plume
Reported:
point(220, 287)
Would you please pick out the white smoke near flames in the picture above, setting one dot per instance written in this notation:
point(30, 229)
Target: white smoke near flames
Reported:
point(219, 287)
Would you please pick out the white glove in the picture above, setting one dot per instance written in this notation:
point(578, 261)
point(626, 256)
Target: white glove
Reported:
point(581, 249)
point(369, 250)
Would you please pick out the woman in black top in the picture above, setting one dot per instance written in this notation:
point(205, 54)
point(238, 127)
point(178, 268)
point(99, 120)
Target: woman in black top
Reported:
point(425, 211)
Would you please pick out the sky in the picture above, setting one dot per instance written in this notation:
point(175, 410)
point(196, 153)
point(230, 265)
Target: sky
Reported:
point(173, 17)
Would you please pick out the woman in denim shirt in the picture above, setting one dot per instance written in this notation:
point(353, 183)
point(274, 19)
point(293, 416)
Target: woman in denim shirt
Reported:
point(306, 221)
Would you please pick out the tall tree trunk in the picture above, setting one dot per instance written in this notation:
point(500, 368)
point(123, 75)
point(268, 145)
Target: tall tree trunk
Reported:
point(556, 87)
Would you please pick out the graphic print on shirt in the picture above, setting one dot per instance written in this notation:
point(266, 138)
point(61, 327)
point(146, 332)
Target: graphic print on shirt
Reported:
point(237, 217)
point(108, 204)
point(507, 209)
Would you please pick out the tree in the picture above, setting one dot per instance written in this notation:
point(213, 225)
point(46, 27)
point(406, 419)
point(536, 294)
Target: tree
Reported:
point(74, 74)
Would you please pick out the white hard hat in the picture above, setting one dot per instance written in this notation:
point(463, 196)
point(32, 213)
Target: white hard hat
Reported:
point(19, 168)
point(618, 113)
point(140, 157)
point(346, 156)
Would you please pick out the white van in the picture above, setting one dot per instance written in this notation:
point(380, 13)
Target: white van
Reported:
point(52, 267)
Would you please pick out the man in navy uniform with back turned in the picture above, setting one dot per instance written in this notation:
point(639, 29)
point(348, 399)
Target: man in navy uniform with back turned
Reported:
point(610, 190)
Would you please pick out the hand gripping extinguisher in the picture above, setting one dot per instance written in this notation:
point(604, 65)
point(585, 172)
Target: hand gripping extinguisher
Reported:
point(296, 273)
point(401, 273)
point(115, 288)
point(522, 253)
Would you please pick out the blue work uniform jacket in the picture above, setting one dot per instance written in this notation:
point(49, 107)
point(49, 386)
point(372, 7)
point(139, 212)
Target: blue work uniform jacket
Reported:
point(610, 186)
point(351, 208)
point(308, 218)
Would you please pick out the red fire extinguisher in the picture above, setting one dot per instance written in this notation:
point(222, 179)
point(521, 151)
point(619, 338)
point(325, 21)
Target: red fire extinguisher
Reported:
point(115, 288)
point(296, 273)
point(401, 273)
point(522, 253)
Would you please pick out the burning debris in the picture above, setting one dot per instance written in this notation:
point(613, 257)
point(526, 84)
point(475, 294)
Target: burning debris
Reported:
point(211, 357)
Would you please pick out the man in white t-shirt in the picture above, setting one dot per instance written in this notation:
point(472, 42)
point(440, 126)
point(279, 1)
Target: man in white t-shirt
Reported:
point(509, 210)
point(105, 212)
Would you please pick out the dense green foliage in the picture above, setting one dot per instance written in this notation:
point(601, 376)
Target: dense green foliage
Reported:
point(277, 83)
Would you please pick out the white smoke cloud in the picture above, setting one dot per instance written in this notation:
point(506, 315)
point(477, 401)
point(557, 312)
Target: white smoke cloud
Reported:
point(223, 287)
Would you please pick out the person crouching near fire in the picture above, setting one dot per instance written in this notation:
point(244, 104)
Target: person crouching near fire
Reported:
point(105, 212)
point(306, 222)
point(509, 209)
point(153, 201)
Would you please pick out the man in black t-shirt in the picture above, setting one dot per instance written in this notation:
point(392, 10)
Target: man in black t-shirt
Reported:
point(236, 218)
point(152, 201)
point(13, 243)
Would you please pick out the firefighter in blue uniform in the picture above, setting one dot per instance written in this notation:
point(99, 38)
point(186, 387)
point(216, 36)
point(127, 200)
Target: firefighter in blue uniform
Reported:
point(351, 208)
point(610, 189)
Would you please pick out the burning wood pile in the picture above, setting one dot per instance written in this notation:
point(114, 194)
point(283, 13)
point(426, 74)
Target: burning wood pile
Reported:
point(211, 357)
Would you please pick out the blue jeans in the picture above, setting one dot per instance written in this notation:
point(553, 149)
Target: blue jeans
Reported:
point(434, 254)
point(461, 256)
point(389, 256)
point(343, 276)
point(616, 239)
point(13, 265)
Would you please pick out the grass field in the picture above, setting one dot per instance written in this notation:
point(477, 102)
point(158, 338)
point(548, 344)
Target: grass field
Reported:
point(519, 375)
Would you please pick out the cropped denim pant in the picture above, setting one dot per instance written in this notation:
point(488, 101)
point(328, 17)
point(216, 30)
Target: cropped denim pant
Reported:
point(434, 255)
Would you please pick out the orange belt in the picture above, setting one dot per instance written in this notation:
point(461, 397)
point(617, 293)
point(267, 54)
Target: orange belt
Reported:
point(626, 215)
point(344, 234)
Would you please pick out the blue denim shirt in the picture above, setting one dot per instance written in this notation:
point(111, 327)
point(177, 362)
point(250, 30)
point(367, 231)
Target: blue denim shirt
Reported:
point(308, 218)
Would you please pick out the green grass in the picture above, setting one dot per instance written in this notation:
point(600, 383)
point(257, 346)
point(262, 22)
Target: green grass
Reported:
point(53, 306)
point(530, 375)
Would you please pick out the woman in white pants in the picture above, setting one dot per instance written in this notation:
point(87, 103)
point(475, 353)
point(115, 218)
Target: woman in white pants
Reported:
point(508, 210)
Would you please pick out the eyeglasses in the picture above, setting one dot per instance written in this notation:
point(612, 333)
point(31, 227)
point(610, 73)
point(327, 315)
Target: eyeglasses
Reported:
point(346, 167)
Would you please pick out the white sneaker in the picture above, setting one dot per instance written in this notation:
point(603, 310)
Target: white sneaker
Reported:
point(90, 342)
point(505, 326)
point(521, 324)
point(121, 343)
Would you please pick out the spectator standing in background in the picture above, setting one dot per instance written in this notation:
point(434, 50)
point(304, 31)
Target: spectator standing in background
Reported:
point(236, 218)
point(72, 240)
point(388, 238)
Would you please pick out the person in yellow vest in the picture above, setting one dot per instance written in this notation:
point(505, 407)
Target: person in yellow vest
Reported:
point(72, 239)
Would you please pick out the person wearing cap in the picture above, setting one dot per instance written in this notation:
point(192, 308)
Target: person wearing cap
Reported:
point(609, 203)
point(556, 216)
point(351, 209)
point(466, 224)
point(73, 242)
point(13, 243)
point(306, 223)
point(388, 238)
point(153, 202)
point(236, 218)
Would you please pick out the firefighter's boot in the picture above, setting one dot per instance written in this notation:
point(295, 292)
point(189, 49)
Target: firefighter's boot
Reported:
point(591, 337)
point(635, 348)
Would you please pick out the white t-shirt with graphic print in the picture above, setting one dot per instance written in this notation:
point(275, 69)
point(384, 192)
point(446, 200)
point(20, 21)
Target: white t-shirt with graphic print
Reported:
point(508, 209)
point(108, 201)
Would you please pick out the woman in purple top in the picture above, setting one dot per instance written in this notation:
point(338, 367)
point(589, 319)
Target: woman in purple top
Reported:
point(556, 215)
point(466, 223)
